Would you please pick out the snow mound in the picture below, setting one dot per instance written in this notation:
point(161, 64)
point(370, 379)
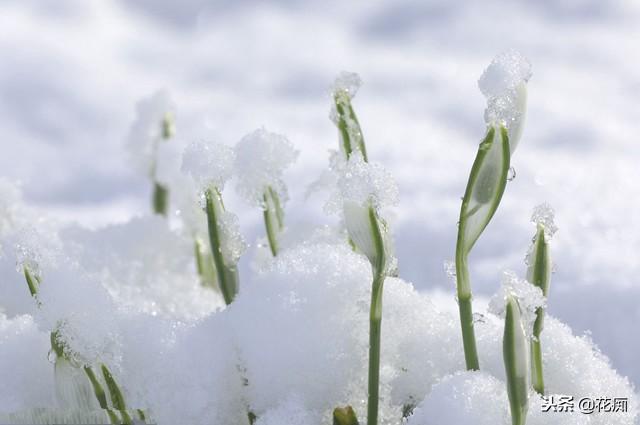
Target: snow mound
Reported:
point(361, 182)
point(209, 164)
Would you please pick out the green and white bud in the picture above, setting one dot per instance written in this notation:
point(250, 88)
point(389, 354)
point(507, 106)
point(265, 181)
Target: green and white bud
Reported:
point(344, 117)
point(539, 271)
point(516, 361)
point(503, 83)
point(368, 232)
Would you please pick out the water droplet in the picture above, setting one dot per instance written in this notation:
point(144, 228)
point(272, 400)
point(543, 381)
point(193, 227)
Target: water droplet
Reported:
point(511, 175)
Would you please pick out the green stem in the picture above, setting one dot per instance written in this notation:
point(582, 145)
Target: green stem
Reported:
point(360, 141)
point(117, 398)
point(466, 312)
point(278, 207)
point(97, 387)
point(375, 318)
point(344, 109)
point(540, 276)
point(375, 327)
point(160, 199)
point(113, 417)
point(227, 275)
point(536, 366)
point(269, 223)
point(204, 265)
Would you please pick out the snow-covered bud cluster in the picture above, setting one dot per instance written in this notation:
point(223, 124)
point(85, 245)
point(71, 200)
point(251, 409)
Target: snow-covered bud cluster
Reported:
point(260, 162)
point(364, 189)
point(211, 165)
point(261, 159)
point(504, 84)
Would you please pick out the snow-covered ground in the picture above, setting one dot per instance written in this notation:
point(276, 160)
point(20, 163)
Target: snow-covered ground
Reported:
point(73, 70)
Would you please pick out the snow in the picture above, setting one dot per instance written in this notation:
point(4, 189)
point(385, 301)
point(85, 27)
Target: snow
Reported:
point(361, 182)
point(63, 133)
point(504, 84)
point(209, 164)
point(261, 159)
point(528, 296)
point(543, 215)
point(146, 133)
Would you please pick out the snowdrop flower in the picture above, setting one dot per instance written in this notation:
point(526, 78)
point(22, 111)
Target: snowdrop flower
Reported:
point(365, 189)
point(210, 165)
point(155, 122)
point(504, 85)
point(261, 159)
point(344, 117)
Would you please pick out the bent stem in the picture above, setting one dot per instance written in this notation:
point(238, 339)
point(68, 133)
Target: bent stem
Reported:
point(487, 181)
point(227, 273)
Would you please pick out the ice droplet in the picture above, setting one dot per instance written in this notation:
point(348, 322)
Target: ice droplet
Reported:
point(511, 175)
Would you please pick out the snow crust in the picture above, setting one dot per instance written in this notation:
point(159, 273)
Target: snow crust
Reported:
point(261, 159)
point(544, 215)
point(360, 182)
point(209, 164)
